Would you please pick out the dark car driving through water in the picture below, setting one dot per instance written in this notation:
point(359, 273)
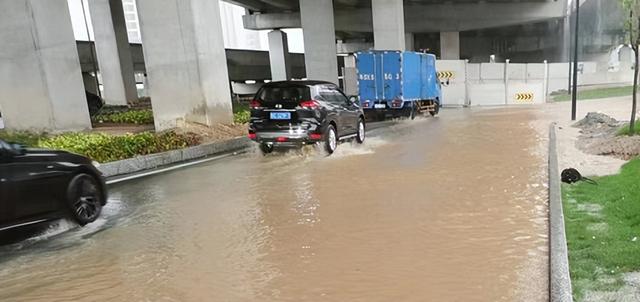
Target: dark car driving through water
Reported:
point(38, 185)
point(297, 113)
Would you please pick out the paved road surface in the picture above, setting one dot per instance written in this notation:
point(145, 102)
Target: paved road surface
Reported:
point(444, 209)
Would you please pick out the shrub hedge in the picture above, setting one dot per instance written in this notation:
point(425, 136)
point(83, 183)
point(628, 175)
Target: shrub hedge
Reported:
point(104, 147)
point(140, 117)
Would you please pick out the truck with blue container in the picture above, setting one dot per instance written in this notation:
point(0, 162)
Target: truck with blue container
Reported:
point(399, 83)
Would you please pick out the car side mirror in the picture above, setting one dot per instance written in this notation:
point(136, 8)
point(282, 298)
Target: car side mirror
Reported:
point(354, 99)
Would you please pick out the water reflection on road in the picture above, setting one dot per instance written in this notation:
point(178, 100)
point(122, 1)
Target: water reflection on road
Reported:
point(444, 209)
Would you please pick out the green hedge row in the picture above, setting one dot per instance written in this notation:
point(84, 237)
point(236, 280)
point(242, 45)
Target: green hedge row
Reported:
point(145, 116)
point(104, 147)
point(140, 117)
point(242, 117)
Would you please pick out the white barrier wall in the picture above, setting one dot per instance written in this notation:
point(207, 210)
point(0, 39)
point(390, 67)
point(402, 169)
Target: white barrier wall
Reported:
point(506, 83)
point(520, 93)
point(487, 94)
point(492, 71)
point(589, 74)
point(453, 78)
point(558, 76)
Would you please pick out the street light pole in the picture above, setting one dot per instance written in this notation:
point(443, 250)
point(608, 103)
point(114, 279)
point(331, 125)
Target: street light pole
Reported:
point(574, 94)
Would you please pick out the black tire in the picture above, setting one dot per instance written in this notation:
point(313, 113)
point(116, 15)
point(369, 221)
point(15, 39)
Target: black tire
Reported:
point(437, 110)
point(361, 131)
point(266, 148)
point(84, 198)
point(330, 140)
point(413, 111)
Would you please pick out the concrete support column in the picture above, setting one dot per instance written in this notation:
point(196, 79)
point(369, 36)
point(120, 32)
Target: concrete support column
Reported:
point(450, 45)
point(409, 42)
point(185, 61)
point(388, 24)
point(318, 28)
point(279, 58)
point(112, 49)
point(41, 85)
point(564, 40)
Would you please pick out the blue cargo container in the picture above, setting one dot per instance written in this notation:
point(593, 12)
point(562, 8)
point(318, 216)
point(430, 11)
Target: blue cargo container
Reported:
point(398, 82)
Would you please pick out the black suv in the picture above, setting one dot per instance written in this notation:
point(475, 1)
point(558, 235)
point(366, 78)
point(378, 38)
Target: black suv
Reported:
point(38, 185)
point(296, 113)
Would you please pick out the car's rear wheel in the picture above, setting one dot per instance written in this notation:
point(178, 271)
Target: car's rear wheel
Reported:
point(330, 139)
point(84, 198)
point(360, 136)
point(266, 148)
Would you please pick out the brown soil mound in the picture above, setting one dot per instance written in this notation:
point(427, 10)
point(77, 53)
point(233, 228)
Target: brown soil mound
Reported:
point(214, 133)
point(598, 136)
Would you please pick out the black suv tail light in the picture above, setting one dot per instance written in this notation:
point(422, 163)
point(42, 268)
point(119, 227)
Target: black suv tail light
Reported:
point(255, 104)
point(311, 104)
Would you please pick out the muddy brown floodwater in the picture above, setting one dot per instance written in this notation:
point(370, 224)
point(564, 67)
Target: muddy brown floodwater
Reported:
point(445, 209)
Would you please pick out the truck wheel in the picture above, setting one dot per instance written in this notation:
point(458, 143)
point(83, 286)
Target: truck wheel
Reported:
point(361, 131)
point(330, 140)
point(436, 110)
point(266, 148)
point(413, 111)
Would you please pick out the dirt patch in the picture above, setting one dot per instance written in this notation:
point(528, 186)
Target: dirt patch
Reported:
point(214, 133)
point(598, 136)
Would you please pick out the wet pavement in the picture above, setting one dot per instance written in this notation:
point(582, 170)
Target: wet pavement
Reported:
point(441, 209)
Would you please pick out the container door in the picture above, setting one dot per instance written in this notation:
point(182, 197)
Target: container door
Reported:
point(424, 71)
point(367, 88)
point(411, 76)
point(391, 76)
point(379, 65)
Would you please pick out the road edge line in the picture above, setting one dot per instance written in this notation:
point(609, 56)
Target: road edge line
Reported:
point(152, 164)
point(559, 277)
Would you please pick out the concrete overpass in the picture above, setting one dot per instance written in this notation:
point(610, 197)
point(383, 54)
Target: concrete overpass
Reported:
point(41, 87)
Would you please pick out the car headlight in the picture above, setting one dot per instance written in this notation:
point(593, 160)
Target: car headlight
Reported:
point(95, 164)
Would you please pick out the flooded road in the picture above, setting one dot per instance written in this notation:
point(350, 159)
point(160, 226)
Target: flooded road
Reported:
point(444, 209)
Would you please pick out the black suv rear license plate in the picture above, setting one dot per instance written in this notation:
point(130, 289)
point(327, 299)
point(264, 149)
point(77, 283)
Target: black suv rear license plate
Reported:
point(280, 115)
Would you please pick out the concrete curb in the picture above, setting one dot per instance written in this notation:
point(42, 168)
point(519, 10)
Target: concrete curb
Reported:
point(153, 161)
point(559, 278)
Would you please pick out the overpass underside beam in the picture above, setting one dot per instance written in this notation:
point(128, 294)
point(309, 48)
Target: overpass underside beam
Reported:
point(185, 61)
point(448, 17)
point(41, 86)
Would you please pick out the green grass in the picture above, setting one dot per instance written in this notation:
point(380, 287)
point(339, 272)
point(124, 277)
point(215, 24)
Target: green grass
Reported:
point(599, 93)
point(624, 130)
point(601, 224)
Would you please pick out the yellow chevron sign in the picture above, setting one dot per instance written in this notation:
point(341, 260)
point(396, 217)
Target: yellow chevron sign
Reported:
point(445, 75)
point(524, 97)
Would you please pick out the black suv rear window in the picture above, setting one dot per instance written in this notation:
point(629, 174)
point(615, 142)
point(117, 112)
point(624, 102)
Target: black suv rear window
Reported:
point(286, 94)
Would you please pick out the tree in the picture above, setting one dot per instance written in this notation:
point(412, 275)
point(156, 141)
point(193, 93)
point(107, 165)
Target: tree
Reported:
point(632, 27)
